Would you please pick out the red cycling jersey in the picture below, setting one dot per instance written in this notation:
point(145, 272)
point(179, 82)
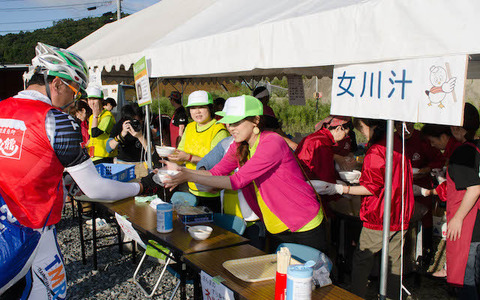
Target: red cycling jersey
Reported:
point(31, 172)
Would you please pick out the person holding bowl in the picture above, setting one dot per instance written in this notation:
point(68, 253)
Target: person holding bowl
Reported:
point(268, 175)
point(200, 136)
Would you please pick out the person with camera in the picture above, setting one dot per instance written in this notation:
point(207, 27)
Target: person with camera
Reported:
point(127, 136)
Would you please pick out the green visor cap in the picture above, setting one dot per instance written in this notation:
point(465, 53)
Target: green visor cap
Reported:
point(238, 108)
point(199, 98)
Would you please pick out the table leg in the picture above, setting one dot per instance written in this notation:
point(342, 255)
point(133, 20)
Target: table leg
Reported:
point(134, 251)
point(72, 199)
point(94, 225)
point(183, 281)
point(197, 288)
point(80, 227)
point(120, 240)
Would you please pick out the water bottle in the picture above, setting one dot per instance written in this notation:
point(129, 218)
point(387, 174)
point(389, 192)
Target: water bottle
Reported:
point(164, 217)
point(299, 282)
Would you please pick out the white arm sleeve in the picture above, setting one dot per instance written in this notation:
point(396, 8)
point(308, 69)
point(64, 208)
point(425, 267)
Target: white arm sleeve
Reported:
point(97, 187)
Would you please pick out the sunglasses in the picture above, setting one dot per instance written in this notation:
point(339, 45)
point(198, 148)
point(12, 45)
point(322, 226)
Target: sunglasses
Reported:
point(77, 93)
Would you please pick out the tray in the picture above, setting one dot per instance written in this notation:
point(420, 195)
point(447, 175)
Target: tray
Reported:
point(254, 269)
point(118, 172)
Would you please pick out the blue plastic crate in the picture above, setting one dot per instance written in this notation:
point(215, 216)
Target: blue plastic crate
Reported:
point(118, 172)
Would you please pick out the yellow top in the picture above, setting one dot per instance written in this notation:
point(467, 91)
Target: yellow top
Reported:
point(97, 145)
point(231, 205)
point(199, 141)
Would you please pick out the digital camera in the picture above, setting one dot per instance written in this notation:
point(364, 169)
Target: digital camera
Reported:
point(136, 125)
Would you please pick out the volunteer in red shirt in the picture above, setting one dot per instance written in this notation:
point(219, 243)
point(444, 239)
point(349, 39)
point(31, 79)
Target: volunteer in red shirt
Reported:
point(343, 150)
point(315, 151)
point(372, 188)
point(424, 158)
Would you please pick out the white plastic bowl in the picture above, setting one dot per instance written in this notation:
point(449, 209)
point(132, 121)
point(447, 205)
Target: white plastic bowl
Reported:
point(200, 232)
point(164, 151)
point(350, 176)
point(160, 177)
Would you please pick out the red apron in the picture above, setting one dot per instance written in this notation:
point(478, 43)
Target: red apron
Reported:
point(457, 251)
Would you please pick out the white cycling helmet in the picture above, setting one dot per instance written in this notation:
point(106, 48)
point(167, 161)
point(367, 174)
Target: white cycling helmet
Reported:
point(59, 62)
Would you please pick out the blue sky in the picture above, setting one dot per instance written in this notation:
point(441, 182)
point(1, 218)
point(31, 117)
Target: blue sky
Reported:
point(28, 15)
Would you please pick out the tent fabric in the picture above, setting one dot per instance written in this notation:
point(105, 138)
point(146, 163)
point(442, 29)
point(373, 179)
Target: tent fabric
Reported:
point(231, 38)
point(123, 42)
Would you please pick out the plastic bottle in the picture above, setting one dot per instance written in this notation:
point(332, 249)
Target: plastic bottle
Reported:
point(164, 217)
point(299, 282)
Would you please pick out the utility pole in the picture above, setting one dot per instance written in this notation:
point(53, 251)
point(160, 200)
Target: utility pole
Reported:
point(119, 10)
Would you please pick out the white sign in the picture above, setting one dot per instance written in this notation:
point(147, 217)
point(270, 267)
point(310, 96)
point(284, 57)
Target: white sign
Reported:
point(142, 83)
point(213, 290)
point(427, 90)
point(129, 230)
point(296, 93)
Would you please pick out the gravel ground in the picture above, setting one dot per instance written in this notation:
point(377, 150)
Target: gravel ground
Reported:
point(113, 280)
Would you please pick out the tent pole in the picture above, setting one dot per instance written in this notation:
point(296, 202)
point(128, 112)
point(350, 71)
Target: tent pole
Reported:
point(386, 211)
point(160, 128)
point(119, 10)
point(149, 138)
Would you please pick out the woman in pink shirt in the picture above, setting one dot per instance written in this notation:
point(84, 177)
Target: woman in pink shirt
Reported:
point(269, 176)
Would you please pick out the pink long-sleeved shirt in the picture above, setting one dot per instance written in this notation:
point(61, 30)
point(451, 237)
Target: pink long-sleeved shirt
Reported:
point(278, 177)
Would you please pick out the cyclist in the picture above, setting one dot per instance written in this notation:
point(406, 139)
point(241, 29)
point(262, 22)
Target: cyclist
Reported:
point(37, 143)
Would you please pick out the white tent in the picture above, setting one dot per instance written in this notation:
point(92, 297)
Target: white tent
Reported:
point(232, 38)
point(229, 38)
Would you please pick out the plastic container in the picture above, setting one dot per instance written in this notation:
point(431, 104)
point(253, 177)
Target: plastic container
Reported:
point(299, 282)
point(164, 217)
point(118, 172)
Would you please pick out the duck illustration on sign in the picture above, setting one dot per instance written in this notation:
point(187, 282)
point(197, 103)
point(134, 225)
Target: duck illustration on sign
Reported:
point(442, 84)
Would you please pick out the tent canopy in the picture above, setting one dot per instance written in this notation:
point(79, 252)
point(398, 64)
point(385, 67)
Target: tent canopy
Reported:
point(231, 38)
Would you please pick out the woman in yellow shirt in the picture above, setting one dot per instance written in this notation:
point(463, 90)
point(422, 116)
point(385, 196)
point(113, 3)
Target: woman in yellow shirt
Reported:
point(200, 136)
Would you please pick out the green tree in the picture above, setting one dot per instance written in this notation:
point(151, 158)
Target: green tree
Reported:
point(20, 48)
